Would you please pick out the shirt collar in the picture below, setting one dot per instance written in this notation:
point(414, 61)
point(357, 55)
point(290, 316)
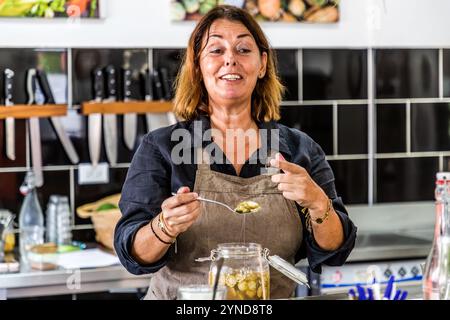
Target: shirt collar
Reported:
point(205, 123)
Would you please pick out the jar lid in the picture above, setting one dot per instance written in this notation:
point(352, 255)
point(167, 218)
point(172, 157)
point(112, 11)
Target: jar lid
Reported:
point(288, 270)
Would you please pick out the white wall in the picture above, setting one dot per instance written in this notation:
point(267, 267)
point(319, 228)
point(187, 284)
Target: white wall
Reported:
point(146, 23)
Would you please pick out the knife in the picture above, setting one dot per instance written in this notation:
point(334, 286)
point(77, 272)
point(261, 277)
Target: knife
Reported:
point(10, 122)
point(168, 94)
point(110, 120)
point(95, 119)
point(156, 120)
point(129, 119)
point(34, 132)
point(148, 94)
point(56, 121)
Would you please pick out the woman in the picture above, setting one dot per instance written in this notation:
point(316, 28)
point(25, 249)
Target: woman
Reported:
point(228, 85)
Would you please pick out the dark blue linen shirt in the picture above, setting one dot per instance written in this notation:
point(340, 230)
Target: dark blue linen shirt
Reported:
point(153, 175)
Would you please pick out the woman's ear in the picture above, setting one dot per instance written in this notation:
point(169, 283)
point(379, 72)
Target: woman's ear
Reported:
point(262, 71)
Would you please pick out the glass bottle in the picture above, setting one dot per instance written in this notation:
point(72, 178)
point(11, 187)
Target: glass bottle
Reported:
point(50, 219)
point(31, 218)
point(436, 274)
point(63, 221)
point(244, 272)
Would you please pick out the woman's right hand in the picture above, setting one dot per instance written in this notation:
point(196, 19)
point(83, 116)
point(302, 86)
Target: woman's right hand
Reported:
point(180, 211)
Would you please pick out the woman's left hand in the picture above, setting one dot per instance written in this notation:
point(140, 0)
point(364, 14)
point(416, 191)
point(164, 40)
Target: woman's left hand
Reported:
point(296, 184)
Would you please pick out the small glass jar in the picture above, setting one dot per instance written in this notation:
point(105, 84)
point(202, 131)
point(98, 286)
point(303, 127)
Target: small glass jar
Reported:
point(243, 270)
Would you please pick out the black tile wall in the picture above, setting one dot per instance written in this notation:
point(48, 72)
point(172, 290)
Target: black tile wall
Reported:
point(406, 179)
point(316, 121)
point(88, 193)
point(407, 73)
point(351, 180)
point(352, 129)
point(430, 115)
point(56, 182)
point(446, 66)
point(20, 147)
point(288, 71)
point(334, 74)
point(391, 128)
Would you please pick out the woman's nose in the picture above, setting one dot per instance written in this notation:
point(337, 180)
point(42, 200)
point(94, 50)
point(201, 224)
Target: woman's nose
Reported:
point(230, 60)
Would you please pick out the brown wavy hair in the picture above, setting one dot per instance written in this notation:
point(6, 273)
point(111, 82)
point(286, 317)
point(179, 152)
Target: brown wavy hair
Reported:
point(191, 97)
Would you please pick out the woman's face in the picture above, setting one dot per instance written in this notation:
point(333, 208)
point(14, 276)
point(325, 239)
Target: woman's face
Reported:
point(231, 62)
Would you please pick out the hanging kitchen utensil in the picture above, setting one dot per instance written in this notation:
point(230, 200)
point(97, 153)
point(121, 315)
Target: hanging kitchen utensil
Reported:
point(129, 119)
point(110, 120)
point(34, 131)
point(56, 121)
point(9, 122)
point(95, 119)
point(147, 78)
point(166, 84)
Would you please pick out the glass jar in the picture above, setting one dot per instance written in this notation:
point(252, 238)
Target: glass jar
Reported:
point(243, 270)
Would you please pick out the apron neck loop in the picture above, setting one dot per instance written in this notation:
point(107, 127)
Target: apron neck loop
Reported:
point(203, 159)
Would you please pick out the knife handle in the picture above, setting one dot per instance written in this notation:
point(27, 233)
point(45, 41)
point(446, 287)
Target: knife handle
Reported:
point(31, 86)
point(126, 84)
point(111, 81)
point(165, 83)
point(148, 85)
point(158, 85)
point(99, 86)
point(45, 86)
point(8, 83)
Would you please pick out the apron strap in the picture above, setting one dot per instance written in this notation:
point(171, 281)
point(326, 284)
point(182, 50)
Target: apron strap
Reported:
point(203, 159)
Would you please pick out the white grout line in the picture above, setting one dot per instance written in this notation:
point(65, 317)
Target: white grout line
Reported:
point(441, 162)
point(27, 145)
point(423, 154)
point(335, 128)
point(77, 227)
point(365, 101)
point(327, 102)
point(441, 74)
point(59, 168)
point(72, 193)
point(83, 227)
point(408, 127)
point(347, 157)
point(300, 74)
point(371, 128)
point(412, 100)
point(69, 78)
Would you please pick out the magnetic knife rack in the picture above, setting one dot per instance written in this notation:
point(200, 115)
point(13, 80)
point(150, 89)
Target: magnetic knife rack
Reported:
point(24, 111)
point(121, 107)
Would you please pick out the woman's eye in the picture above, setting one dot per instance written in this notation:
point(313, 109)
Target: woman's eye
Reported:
point(215, 51)
point(243, 50)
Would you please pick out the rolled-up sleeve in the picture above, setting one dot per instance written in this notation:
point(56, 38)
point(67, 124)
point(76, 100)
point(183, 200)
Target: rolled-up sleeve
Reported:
point(322, 174)
point(146, 186)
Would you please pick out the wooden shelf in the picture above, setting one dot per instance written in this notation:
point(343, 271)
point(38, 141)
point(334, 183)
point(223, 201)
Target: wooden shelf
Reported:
point(24, 111)
point(121, 107)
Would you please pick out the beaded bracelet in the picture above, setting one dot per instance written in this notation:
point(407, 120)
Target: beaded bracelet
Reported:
point(158, 237)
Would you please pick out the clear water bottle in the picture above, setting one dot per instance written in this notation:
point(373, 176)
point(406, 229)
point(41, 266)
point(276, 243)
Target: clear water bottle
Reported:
point(436, 277)
point(50, 219)
point(63, 221)
point(31, 218)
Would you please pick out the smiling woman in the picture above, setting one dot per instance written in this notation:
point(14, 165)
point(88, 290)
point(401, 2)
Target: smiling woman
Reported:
point(229, 89)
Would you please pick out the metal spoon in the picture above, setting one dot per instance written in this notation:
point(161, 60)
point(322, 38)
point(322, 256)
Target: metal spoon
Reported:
point(213, 201)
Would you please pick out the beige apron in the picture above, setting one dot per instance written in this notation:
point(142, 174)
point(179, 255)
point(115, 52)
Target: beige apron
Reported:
point(277, 226)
